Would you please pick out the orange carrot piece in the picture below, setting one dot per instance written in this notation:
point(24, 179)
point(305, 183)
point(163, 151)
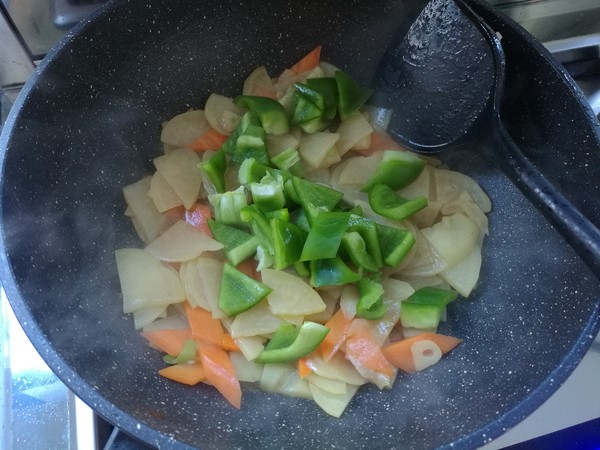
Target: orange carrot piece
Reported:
point(220, 372)
point(211, 140)
point(380, 141)
point(229, 343)
point(303, 369)
point(308, 62)
point(184, 373)
point(338, 326)
point(198, 216)
point(203, 326)
point(399, 353)
point(248, 267)
point(363, 350)
point(168, 341)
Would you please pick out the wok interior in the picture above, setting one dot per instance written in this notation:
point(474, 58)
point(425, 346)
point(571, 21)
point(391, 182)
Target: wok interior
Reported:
point(91, 124)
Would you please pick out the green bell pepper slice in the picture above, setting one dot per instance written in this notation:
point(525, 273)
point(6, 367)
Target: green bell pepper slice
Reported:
point(237, 244)
point(325, 235)
point(187, 353)
point(315, 194)
point(268, 195)
point(251, 144)
point(288, 242)
point(394, 244)
point(327, 87)
point(397, 169)
point(331, 272)
point(239, 292)
point(370, 304)
point(387, 203)
point(351, 95)
point(249, 118)
point(290, 343)
point(424, 308)
point(214, 168)
point(356, 248)
point(368, 231)
point(272, 114)
point(307, 104)
point(227, 206)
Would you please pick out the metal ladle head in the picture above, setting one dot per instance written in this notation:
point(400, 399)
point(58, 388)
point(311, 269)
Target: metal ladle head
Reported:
point(445, 72)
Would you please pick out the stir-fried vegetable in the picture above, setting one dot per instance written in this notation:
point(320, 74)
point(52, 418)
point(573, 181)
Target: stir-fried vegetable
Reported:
point(289, 242)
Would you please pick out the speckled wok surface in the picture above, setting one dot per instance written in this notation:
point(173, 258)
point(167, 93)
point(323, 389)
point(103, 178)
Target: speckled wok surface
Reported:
point(89, 122)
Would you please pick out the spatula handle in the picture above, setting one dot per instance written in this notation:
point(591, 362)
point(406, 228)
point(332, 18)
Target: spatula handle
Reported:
point(576, 229)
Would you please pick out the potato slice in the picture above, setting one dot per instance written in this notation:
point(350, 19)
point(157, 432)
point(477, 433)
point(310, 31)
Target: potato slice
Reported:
point(291, 295)
point(450, 184)
point(332, 404)
point(222, 114)
point(182, 242)
point(145, 281)
point(179, 170)
point(360, 169)
point(315, 147)
point(464, 275)
point(337, 368)
point(190, 279)
point(162, 193)
point(258, 320)
point(148, 221)
point(144, 317)
point(185, 128)
point(326, 384)
point(352, 131)
point(454, 238)
point(246, 370)
point(211, 272)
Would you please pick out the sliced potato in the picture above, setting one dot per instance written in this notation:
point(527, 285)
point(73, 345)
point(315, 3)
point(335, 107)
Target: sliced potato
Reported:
point(182, 242)
point(327, 385)
point(251, 346)
point(145, 281)
point(467, 205)
point(294, 386)
point(360, 169)
point(146, 218)
point(331, 157)
point(349, 299)
point(222, 114)
point(179, 169)
point(450, 184)
point(183, 129)
point(454, 238)
point(245, 370)
point(275, 375)
point(259, 83)
point(291, 295)
point(211, 272)
point(190, 279)
point(464, 275)
point(332, 404)
point(315, 147)
point(352, 131)
point(258, 320)
point(278, 144)
point(144, 317)
point(162, 194)
point(337, 368)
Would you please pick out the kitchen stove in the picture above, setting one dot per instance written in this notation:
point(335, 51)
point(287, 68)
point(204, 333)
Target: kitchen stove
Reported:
point(38, 411)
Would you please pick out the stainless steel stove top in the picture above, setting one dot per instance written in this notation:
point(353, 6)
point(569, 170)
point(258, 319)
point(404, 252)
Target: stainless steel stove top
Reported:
point(37, 410)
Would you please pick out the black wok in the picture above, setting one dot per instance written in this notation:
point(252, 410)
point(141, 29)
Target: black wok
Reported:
point(88, 123)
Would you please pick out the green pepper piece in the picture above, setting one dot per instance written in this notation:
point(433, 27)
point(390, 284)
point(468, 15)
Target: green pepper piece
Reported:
point(325, 235)
point(227, 206)
point(289, 344)
point(315, 194)
point(251, 144)
point(368, 231)
point(288, 241)
point(272, 114)
point(215, 167)
point(301, 269)
point(287, 160)
point(351, 95)
point(397, 169)
point(424, 308)
point(249, 118)
point(282, 214)
point(187, 353)
point(331, 272)
point(301, 219)
point(387, 203)
point(268, 194)
point(260, 226)
point(356, 249)
point(307, 104)
point(370, 304)
point(251, 171)
point(327, 87)
point(237, 244)
point(394, 244)
point(239, 292)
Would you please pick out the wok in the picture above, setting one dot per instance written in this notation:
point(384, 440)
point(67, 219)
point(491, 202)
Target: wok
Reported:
point(88, 123)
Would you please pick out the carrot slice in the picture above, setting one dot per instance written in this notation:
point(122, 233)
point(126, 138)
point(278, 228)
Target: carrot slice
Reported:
point(168, 341)
point(211, 140)
point(198, 216)
point(203, 326)
point(229, 343)
point(380, 141)
point(308, 62)
point(400, 353)
point(303, 369)
point(220, 372)
point(338, 326)
point(184, 373)
point(364, 352)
